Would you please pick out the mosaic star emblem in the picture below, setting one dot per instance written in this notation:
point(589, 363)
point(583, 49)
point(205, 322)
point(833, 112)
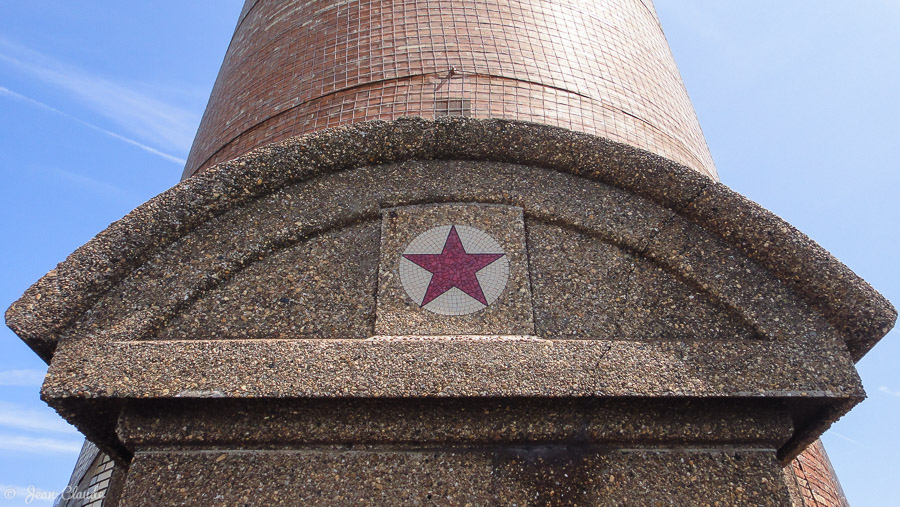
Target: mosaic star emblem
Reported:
point(454, 275)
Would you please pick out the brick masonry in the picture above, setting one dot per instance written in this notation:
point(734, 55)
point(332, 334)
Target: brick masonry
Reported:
point(603, 68)
point(812, 480)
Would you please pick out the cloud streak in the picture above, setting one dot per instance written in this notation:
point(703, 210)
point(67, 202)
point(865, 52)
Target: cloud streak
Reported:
point(40, 105)
point(19, 443)
point(16, 416)
point(845, 437)
point(147, 117)
point(884, 389)
point(25, 378)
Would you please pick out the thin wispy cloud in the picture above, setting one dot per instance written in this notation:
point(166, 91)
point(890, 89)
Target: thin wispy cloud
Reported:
point(20, 443)
point(884, 389)
point(29, 419)
point(24, 378)
point(147, 117)
point(6, 92)
point(845, 437)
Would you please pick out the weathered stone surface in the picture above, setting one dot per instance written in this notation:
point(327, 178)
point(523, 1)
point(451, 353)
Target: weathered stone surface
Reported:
point(855, 309)
point(320, 288)
point(814, 383)
point(542, 475)
point(288, 423)
point(449, 366)
point(584, 287)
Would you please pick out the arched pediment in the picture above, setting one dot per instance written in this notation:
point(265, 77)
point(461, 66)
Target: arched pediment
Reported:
point(691, 227)
point(302, 263)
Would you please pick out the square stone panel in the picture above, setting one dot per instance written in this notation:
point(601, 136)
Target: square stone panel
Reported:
point(453, 269)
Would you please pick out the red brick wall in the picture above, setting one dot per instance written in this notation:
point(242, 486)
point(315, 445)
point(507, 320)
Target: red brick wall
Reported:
point(295, 66)
point(813, 481)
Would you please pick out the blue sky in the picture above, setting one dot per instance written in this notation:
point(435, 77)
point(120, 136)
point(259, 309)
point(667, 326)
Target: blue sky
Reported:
point(99, 101)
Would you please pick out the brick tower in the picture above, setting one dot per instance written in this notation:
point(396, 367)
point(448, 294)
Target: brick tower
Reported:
point(602, 68)
point(451, 252)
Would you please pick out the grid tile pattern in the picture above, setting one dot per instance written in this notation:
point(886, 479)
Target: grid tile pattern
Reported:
point(603, 68)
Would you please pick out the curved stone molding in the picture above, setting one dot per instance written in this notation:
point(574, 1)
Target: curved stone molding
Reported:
point(620, 293)
point(310, 289)
point(687, 206)
point(227, 279)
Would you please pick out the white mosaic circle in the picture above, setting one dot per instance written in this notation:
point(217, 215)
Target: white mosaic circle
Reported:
point(454, 270)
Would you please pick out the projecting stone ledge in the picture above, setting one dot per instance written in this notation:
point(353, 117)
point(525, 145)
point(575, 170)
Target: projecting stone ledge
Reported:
point(450, 367)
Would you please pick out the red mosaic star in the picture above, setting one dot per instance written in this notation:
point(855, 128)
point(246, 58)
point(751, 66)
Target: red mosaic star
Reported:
point(453, 267)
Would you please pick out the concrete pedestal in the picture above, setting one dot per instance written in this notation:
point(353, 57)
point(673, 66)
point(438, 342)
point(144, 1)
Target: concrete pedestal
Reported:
point(653, 338)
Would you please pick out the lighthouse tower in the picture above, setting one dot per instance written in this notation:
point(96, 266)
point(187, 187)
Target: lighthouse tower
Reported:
point(452, 252)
